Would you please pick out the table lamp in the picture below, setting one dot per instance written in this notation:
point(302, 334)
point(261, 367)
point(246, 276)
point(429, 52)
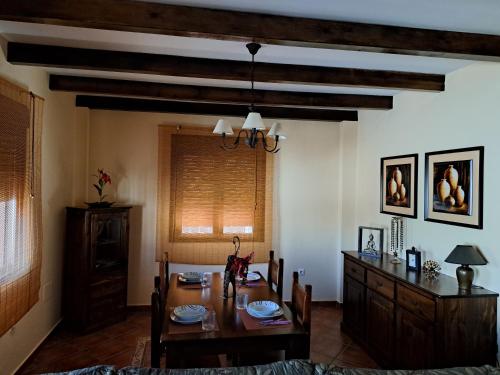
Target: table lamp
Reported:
point(466, 255)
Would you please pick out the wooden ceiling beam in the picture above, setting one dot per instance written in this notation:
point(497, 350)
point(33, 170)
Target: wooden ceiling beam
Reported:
point(147, 63)
point(156, 18)
point(215, 94)
point(232, 110)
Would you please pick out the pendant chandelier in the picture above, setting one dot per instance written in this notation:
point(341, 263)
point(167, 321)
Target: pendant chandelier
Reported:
point(253, 129)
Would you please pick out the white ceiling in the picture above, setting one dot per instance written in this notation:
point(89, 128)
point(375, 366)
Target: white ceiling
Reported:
point(462, 15)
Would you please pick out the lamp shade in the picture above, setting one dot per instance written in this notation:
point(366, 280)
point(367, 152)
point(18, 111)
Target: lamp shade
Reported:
point(223, 127)
point(466, 255)
point(276, 130)
point(254, 121)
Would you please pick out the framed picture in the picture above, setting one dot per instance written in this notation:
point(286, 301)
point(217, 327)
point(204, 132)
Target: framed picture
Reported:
point(398, 185)
point(413, 260)
point(371, 241)
point(454, 187)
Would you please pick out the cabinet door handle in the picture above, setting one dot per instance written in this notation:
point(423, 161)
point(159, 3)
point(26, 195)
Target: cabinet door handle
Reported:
point(379, 284)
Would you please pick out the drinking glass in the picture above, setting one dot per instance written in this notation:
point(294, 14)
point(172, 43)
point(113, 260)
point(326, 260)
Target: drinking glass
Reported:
point(208, 321)
point(241, 301)
point(206, 280)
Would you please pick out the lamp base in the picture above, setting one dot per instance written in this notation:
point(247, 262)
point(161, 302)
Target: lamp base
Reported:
point(465, 275)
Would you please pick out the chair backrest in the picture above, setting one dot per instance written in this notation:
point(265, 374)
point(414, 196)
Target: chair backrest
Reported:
point(301, 302)
point(275, 273)
point(156, 326)
point(164, 274)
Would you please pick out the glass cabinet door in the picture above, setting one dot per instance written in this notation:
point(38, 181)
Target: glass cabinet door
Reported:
point(107, 245)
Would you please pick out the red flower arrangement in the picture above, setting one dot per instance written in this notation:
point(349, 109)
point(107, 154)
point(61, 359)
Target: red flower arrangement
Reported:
point(102, 179)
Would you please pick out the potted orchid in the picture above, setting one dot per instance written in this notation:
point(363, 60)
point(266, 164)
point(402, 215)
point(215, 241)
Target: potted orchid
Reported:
point(103, 179)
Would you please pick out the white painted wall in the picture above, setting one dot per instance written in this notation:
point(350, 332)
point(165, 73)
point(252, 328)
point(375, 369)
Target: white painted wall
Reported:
point(59, 141)
point(466, 114)
point(306, 231)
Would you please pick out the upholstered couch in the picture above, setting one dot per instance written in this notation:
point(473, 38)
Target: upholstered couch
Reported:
point(292, 367)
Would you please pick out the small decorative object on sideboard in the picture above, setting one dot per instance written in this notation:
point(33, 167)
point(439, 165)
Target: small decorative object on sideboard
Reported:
point(431, 269)
point(235, 266)
point(371, 241)
point(398, 228)
point(103, 178)
point(466, 255)
point(413, 259)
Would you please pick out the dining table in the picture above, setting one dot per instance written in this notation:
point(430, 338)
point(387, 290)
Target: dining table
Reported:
point(234, 333)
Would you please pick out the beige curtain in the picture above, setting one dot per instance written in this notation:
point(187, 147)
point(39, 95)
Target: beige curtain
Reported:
point(207, 195)
point(20, 202)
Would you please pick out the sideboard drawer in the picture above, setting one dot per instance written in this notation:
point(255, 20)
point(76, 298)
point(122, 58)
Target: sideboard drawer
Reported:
point(380, 284)
point(417, 303)
point(354, 270)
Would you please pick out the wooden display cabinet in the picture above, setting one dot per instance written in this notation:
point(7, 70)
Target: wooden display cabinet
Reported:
point(95, 267)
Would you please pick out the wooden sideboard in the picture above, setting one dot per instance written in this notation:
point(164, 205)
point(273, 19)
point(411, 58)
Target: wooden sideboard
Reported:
point(407, 321)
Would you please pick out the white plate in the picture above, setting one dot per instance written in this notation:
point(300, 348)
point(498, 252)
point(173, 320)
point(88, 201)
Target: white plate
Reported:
point(264, 309)
point(189, 312)
point(251, 276)
point(191, 275)
point(176, 319)
point(277, 313)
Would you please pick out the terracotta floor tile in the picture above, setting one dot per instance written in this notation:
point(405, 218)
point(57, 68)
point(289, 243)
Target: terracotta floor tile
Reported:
point(115, 345)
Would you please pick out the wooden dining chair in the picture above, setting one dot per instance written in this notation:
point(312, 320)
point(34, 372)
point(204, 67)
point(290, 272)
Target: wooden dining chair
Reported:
point(301, 302)
point(164, 274)
point(156, 325)
point(275, 273)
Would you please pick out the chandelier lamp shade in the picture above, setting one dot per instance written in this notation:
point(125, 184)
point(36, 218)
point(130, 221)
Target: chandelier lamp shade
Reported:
point(253, 128)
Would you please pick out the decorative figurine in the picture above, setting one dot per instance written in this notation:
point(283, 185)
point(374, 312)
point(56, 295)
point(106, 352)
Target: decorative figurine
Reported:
point(235, 266)
point(398, 228)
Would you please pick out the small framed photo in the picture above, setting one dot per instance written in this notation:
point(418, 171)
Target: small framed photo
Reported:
point(398, 185)
point(371, 241)
point(454, 187)
point(413, 260)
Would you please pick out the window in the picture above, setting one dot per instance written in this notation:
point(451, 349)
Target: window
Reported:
point(212, 195)
point(20, 203)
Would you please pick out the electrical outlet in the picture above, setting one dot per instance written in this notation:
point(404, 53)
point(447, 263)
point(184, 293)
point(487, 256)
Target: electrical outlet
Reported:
point(302, 272)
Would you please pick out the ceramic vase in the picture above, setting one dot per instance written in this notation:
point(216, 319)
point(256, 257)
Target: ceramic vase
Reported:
point(459, 196)
point(449, 201)
point(443, 189)
point(392, 187)
point(396, 197)
point(451, 175)
point(402, 191)
point(397, 176)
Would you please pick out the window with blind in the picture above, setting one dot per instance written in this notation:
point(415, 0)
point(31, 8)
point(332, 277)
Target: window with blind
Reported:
point(216, 194)
point(207, 195)
point(20, 203)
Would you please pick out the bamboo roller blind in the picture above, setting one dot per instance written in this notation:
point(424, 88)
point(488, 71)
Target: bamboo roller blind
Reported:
point(207, 195)
point(20, 202)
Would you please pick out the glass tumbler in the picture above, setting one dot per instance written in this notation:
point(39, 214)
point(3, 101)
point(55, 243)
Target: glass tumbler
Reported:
point(241, 301)
point(206, 280)
point(208, 321)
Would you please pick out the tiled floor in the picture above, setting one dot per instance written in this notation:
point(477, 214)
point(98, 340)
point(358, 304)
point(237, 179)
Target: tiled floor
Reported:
point(115, 345)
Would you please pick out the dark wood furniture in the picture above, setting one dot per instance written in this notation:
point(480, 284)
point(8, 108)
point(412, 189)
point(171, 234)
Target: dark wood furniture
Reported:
point(275, 273)
point(232, 337)
point(301, 302)
point(95, 266)
point(407, 321)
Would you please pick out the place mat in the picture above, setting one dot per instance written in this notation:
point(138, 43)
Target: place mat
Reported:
point(252, 323)
point(177, 328)
point(254, 284)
